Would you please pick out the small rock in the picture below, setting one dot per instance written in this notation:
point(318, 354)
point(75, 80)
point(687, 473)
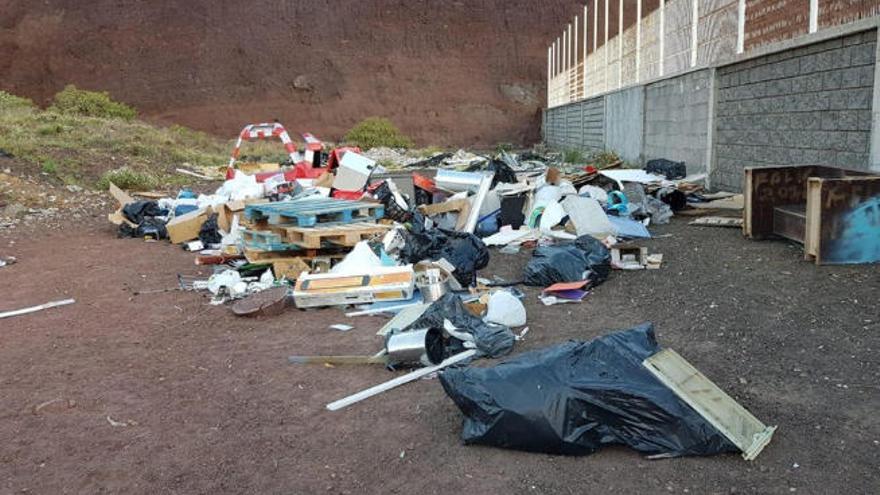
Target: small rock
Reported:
point(74, 188)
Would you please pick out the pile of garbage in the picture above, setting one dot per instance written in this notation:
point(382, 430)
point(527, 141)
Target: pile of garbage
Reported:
point(337, 230)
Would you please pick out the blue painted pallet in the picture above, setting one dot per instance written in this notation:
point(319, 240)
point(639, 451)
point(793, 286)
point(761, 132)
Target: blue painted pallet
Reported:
point(264, 240)
point(308, 213)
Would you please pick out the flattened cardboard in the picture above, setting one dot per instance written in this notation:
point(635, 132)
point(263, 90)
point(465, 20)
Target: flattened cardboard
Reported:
point(186, 227)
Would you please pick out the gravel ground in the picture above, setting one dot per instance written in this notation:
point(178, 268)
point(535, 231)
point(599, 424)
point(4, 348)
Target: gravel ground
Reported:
point(163, 393)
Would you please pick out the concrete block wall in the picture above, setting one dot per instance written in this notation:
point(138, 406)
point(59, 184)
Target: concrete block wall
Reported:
point(624, 121)
point(593, 138)
point(803, 103)
point(677, 119)
point(576, 126)
point(807, 106)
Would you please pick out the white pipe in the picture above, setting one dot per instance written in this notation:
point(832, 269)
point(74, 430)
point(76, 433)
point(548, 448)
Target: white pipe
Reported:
point(814, 16)
point(638, 39)
point(694, 20)
point(400, 380)
point(620, 44)
point(586, 22)
point(34, 309)
point(741, 26)
point(549, 73)
point(662, 32)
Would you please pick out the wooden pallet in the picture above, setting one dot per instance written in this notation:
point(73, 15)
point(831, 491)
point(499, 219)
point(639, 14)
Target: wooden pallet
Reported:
point(265, 240)
point(309, 213)
point(341, 235)
point(307, 255)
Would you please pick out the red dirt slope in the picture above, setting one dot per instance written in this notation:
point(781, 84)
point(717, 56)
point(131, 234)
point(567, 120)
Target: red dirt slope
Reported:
point(448, 72)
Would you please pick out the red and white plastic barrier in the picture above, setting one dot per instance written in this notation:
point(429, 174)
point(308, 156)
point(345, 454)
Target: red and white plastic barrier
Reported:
point(257, 132)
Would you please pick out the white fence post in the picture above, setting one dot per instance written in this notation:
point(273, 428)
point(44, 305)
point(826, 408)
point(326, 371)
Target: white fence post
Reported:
point(694, 19)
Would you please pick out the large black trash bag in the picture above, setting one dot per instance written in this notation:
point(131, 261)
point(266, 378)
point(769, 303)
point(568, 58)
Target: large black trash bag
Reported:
point(598, 258)
point(465, 251)
point(210, 232)
point(553, 264)
point(575, 397)
point(491, 340)
point(151, 227)
point(136, 211)
point(586, 258)
point(668, 168)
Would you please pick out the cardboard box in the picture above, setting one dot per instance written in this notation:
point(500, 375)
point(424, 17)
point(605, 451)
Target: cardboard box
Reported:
point(186, 227)
point(629, 257)
point(227, 211)
point(387, 283)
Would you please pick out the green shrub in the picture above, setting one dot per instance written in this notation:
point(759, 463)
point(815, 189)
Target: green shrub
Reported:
point(50, 129)
point(8, 100)
point(377, 131)
point(503, 148)
point(50, 167)
point(573, 156)
point(72, 100)
point(604, 158)
point(127, 178)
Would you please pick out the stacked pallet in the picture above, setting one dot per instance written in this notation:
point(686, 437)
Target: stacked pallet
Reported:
point(297, 235)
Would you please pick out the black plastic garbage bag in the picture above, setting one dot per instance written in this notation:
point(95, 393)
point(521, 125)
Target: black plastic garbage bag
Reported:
point(491, 340)
point(553, 264)
point(575, 397)
point(585, 259)
point(151, 227)
point(598, 258)
point(465, 251)
point(136, 211)
point(209, 233)
point(668, 168)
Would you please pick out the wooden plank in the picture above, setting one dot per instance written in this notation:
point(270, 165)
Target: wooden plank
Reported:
point(747, 204)
point(730, 418)
point(731, 203)
point(789, 221)
point(344, 235)
point(717, 222)
point(259, 256)
point(813, 218)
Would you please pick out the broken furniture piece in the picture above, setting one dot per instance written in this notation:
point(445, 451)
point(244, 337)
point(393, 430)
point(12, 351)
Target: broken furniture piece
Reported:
point(730, 418)
point(833, 212)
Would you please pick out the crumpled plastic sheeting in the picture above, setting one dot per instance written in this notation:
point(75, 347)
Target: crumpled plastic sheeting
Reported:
point(490, 340)
point(505, 309)
point(465, 251)
point(136, 212)
point(569, 263)
point(576, 397)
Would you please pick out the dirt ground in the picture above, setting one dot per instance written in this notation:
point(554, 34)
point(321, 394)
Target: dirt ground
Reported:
point(163, 393)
